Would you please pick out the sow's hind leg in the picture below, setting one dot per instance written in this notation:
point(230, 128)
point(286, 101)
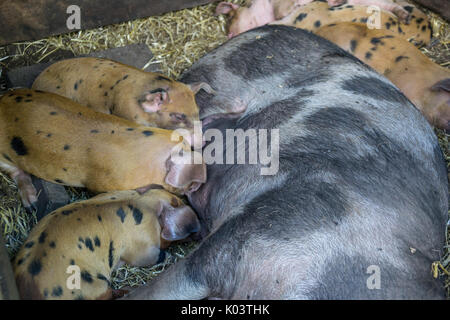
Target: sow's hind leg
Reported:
point(240, 268)
point(23, 181)
point(174, 284)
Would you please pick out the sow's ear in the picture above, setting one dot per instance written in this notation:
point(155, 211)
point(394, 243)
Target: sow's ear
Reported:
point(177, 223)
point(197, 86)
point(226, 8)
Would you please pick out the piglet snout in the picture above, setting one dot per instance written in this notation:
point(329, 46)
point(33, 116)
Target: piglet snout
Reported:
point(186, 177)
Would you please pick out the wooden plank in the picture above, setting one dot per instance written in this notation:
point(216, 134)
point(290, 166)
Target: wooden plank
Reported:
point(136, 55)
point(8, 288)
point(51, 196)
point(442, 7)
point(36, 19)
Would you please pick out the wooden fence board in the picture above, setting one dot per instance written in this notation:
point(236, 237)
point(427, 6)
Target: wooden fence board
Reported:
point(22, 20)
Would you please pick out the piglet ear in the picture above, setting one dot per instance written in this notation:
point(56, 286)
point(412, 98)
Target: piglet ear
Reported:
point(197, 86)
point(442, 85)
point(177, 223)
point(144, 189)
point(154, 100)
point(186, 177)
point(226, 7)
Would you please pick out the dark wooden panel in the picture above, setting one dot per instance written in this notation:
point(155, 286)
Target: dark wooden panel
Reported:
point(36, 19)
point(8, 289)
point(136, 55)
point(442, 7)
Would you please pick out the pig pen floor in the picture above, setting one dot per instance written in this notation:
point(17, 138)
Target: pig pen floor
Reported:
point(176, 40)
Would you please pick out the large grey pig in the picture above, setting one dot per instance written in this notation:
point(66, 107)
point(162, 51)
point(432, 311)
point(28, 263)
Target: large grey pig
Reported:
point(358, 207)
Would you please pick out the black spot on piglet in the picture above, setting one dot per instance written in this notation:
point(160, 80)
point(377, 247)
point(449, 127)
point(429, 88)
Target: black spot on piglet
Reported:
point(408, 8)
point(86, 276)
point(137, 215)
point(88, 244)
point(35, 267)
point(121, 214)
point(111, 254)
point(57, 291)
point(102, 277)
point(399, 58)
point(97, 241)
point(66, 212)
point(300, 17)
point(160, 77)
point(42, 237)
point(353, 44)
point(28, 245)
point(18, 146)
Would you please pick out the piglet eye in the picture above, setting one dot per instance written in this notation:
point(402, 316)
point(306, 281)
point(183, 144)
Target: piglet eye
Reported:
point(178, 117)
point(174, 203)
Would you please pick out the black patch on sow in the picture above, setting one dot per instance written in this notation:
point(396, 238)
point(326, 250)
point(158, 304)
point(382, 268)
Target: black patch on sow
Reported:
point(374, 88)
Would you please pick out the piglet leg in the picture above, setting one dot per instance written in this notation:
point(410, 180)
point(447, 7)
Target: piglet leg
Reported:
point(387, 5)
point(23, 181)
point(333, 3)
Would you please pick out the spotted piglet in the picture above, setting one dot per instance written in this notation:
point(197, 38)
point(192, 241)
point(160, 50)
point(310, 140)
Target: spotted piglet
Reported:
point(424, 82)
point(256, 13)
point(61, 141)
point(318, 14)
point(95, 237)
point(111, 87)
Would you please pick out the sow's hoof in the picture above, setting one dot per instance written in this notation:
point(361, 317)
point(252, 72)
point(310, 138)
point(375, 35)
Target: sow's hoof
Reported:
point(51, 196)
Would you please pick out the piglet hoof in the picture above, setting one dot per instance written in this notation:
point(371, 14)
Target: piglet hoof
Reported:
point(402, 14)
point(31, 208)
point(119, 293)
point(333, 3)
point(27, 191)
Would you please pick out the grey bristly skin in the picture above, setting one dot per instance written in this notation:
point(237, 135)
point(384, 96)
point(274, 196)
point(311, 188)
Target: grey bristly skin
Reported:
point(361, 182)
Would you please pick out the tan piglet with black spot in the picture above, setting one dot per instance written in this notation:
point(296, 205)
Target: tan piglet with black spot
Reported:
point(111, 87)
point(64, 142)
point(318, 14)
point(424, 82)
point(71, 253)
